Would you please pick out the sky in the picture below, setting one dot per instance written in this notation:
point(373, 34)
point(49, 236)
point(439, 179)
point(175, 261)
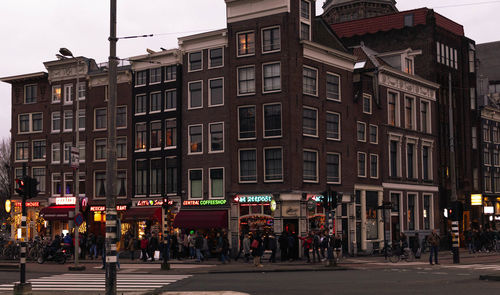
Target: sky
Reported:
point(32, 31)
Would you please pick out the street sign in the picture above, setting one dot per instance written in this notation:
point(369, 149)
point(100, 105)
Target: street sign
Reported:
point(75, 157)
point(79, 219)
point(311, 204)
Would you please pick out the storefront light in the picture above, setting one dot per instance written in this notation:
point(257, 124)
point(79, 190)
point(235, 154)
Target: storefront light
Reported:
point(19, 233)
point(8, 206)
point(489, 210)
point(476, 199)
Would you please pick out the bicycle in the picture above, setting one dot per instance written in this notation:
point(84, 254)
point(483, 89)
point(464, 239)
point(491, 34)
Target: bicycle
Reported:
point(406, 254)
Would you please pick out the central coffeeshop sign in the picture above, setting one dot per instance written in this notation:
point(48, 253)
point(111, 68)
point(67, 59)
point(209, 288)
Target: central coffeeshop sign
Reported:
point(204, 202)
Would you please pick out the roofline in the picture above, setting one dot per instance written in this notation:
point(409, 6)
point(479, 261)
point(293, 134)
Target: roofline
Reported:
point(153, 55)
point(24, 77)
point(336, 52)
point(222, 32)
point(408, 76)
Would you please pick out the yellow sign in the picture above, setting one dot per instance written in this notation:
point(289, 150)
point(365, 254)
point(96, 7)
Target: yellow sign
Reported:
point(476, 200)
point(8, 206)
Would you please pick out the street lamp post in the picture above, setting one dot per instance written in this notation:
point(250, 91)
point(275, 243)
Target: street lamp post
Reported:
point(76, 178)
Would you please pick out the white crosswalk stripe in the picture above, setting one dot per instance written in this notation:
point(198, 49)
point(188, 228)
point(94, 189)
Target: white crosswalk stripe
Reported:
point(96, 282)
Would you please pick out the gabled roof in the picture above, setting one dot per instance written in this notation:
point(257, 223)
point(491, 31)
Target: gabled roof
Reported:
point(394, 21)
point(24, 77)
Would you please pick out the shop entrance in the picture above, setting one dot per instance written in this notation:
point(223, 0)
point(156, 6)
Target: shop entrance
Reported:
point(396, 228)
point(291, 226)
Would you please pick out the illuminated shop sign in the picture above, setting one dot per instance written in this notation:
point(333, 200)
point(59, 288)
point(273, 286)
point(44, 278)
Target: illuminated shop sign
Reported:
point(315, 197)
point(28, 204)
point(204, 202)
point(476, 200)
point(65, 201)
point(489, 210)
point(253, 199)
point(103, 208)
point(151, 203)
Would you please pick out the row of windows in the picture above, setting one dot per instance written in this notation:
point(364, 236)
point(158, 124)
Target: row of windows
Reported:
point(372, 133)
point(215, 138)
point(215, 183)
point(57, 93)
point(446, 55)
point(491, 181)
point(157, 103)
point(395, 159)
point(155, 75)
point(155, 183)
point(363, 165)
point(410, 112)
point(412, 206)
point(487, 158)
point(157, 140)
point(270, 41)
point(215, 93)
point(491, 134)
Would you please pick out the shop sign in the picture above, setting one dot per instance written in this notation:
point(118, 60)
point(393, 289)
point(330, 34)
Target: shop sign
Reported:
point(8, 206)
point(476, 199)
point(151, 203)
point(273, 205)
point(315, 197)
point(497, 217)
point(28, 204)
point(253, 199)
point(65, 201)
point(103, 208)
point(489, 210)
point(204, 202)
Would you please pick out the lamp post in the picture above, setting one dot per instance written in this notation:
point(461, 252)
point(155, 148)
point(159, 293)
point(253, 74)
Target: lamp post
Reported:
point(76, 167)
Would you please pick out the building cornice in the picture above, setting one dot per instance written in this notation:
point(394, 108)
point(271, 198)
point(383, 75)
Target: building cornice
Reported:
point(330, 56)
point(17, 78)
point(411, 84)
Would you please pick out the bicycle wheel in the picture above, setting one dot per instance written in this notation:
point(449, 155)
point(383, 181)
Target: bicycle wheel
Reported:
point(395, 258)
point(410, 257)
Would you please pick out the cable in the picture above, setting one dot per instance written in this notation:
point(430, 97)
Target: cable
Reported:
point(467, 4)
point(163, 34)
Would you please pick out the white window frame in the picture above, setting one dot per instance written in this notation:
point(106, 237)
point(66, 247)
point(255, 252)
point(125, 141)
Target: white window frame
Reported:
point(82, 87)
point(364, 127)
point(40, 184)
point(61, 123)
point(413, 112)
point(398, 139)
point(431, 209)
point(317, 165)
point(210, 138)
point(170, 90)
point(150, 179)
point(126, 116)
point(210, 61)
point(365, 95)
point(263, 78)
point(64, 121)
point(414, 141)
point(378, 166)
point(304, 20)
point(238, 44)
point(210, 183)
point(189, 95)
point(264, 162)
point(238, 80)
point(357, 165)
point(430, 145)
point(150, 104)
point(158, 148)
point(210, 105)
point(33, 151)
point(262, 39)
point(145, 80)
point(30, 123)
point(429, 116)
point(79, 113)
point(417, 207)
point(52, 187)
point(397, 119)
point(95, 120)
point(95, 184)
point(264, 120)
point(340, 168)
point(135, 104)
point(135, 137)
point(135, 178)
point(68, 98)
point(151, 75)
point(95, 149)
point(25, 92)
point(317, 119)
point(58, 144)
point(189, 184)
point(189, 139)
point(126, 148)
point(340, 127)
point(175, 66)
point(303, 90)
point(176, 131)
point(53, 98)
point(81, 147)
point(239, 165)
point(189, 61)
point(15, 151)
point(66, 144)
point(369, 136)
point(255, 122)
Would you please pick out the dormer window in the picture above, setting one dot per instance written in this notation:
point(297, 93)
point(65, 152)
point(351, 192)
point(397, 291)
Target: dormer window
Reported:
point(408, 66)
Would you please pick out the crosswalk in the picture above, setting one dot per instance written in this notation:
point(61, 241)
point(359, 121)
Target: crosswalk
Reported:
point(96, 282)
point(489, 267)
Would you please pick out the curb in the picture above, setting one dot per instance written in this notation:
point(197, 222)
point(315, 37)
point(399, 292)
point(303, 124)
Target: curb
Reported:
point(277, 270)
point(9, 266)
point(489, 278)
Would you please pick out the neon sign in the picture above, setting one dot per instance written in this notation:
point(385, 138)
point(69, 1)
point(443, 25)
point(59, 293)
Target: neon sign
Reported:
point(103, 208)
point(204, 202)
point(65, 201)
point(28, 204)
point(253, 199)
point(149, 203)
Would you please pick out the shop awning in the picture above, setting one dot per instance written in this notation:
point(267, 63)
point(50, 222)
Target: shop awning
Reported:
point(201, 219)
point(142, 214)
point(56, 212)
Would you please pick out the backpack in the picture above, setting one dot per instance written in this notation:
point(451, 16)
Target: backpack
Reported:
point(255, 244)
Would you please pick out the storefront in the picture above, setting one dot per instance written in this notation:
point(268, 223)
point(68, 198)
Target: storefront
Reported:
point(97, 219)
point(202, 215)
point(315, 213)
point(491, 211)
point(143, 217)
point(58, 216)
point(35, 225)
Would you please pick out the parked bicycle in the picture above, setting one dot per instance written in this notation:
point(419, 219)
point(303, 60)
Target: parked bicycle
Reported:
point(405, 254)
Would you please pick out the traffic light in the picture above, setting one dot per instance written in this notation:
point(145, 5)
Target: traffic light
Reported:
point(165, 204)
point(334, 199)
point(32, 184)
point(21, 187)
point(324, 200)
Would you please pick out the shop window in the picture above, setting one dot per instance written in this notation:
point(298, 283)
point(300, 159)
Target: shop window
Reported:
point(371, 215)
point(411, 211)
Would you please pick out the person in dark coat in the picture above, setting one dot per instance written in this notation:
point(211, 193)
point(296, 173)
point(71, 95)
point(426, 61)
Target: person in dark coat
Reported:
point(153, 246)
point(283, 240)
point(257, 250)
point(271, 244)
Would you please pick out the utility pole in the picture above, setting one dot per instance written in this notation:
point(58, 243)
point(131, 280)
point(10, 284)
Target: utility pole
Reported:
point(453, 198)
point(111, 165)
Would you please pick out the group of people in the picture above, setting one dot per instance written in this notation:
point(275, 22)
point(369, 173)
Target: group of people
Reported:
point(479, 240)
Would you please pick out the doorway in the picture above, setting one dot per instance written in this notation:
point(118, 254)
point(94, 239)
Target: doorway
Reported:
point(291, 226)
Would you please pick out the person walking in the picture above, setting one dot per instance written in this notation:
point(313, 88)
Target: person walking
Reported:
point(283, 240)
point(246, 247)
point(198, 245)
point(434, 241)
point(271, 244)
point(153, 246)
point(306, 244)
point(131, 247)
point(315, 246)
point(257, 250)
point(144, 248)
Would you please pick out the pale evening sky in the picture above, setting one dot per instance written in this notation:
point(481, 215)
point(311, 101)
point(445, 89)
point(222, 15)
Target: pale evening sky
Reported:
point(33, 30)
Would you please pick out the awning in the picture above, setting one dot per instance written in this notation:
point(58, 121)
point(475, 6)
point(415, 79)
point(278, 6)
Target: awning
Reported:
point(56, 212)
point(142, 214)
point(201, 219)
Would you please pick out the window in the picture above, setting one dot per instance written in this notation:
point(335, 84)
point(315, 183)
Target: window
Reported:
point(373, 166)
point(100, 149)
point(246, 80)
point(273, 170)
point(408, 66)
point(121, 117)
point(195, 184)
point(39, 175)
point(427, 211)
point(56, 184)
point(195, 61)
point(271, 39)
point(361, 131)
point(248, 165)
point(100, 184)
point(472, 61)
point(171, 176)
point(373, 134)
point(333, 168)
point(310, 122)
point(426, 164)
point(100, 119)
point(216, 93)
point(216, 57)
point(155, 102)
point(121, 148)
point(425, 117)
point(156, 176)
point(216, 183)
point(38, 150)
point(140, 78)
point(24, 123)
point(36, 122)
point(474, 137)
point(141, 177)
point(486, 133)
point(495, 134)
point(472, 98)
point(246, 43)
point(170, 100)
point(56, 153)
point(410, 160)
point(68, 94)
point(392, 110)
point(195, 139)
point(81, 120)
point(81, 150)
point(272, 77)
point(305, 9)
point(409, 112)
point(156, 136)
point(496, 161)
point(82, 89)
point(195, 95)
point(367, 104)
point(409, 20)
point(22, 150)
point(411, 211)
point(332, 87)
point(246, 122)
point(496, 181)
point(67, 151)
point(170, 133)
point(310, 172)
point(121, 183)
point(395, 203)
point(216, 137)
point(393, 158)
point(170, 73)
point(140, 104)
point(56, 93)
point(272, 120)
point(486, 157)
point(154, 75)
point(333, 126)
point(310, 77)
point(68, 184)
point(305, 31)
point(487, 181)
point(56, 122)
point(30, 93)
point(140, 136)
point(361, 164)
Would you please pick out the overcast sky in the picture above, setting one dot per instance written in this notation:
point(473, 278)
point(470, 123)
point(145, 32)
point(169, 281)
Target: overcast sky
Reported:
point(33, 30)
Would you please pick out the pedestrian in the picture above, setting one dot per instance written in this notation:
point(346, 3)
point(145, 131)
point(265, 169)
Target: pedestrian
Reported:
point(434, 241)
point(242, 237)
point(131, 247)
point(153, 246)
point(144, 248)
point(191, 238)
point(283, 240)
point(323, 245)
point(99, 244)
point(246, 247)
point(175, 247)
point(198, 245)
point(205, 250)
point(315, 247)
point(306, 244)
point(271, 244)
point(257, 250)
point(291, 247)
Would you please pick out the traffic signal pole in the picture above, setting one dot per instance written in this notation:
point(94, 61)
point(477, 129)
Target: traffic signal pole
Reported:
point(453, 198)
